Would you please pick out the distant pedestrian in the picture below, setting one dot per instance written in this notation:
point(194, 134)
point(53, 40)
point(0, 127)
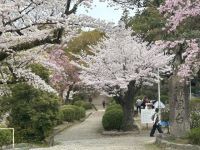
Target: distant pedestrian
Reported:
point(90, 99)
point(144, 101)
point(104, 104)
point(138, 105)
point(156, 124)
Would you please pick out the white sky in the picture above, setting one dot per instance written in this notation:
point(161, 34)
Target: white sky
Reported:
point(101, 11)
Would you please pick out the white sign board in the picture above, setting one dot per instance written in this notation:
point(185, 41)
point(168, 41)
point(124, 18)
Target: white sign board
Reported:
point(146, 115)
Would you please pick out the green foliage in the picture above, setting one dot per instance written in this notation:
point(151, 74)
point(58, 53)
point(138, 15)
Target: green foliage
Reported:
point(60, 117)
point(164, 99)
point(195, 120)
point(5, 137)
point(83, 104)
point(149, 24)
point(41, 71)
point(195, 113)
point(81, 96)
point(72, 112)
point(113, 106)
point(83, 41)
point(112, 119)
point(33, 113)
point(165, 116)
point(194, 136)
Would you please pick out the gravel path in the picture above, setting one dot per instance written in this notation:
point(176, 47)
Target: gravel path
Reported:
point(87, 136)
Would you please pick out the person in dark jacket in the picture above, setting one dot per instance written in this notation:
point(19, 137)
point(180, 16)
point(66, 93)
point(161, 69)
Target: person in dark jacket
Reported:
point(156, 124)
point(104, 104)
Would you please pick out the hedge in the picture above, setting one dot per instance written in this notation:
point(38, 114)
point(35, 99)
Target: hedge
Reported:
point(5, 137)
point(83, 104)
point(72, 112)
point(112, 119)
point(194, 136)
point(113, 106)
point(195, 113)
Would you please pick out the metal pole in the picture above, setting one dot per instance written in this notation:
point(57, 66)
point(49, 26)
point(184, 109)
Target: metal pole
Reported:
point(13, 138)
point(190, 90)
point(159, 93)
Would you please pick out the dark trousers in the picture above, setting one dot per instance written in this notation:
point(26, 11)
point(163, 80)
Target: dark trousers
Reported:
point(139, 109)
point(155, 126)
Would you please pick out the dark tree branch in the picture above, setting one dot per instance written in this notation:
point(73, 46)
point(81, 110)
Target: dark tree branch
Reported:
point(51, 39)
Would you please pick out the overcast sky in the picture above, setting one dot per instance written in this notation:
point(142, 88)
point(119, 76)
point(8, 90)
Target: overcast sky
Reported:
point(100, 10)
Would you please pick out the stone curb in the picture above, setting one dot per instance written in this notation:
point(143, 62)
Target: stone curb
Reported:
point(166, 145)
point(118, 133)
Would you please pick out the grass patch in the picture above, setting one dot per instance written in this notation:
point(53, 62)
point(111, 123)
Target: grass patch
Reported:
point(180, 141)
point(152, 147)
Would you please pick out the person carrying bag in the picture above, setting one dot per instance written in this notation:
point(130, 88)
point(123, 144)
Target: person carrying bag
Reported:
point(156, 124)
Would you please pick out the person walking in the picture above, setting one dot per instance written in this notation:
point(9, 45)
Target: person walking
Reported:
point(138, 105)
point(144, 101)
point(104, 104)
point(90, 99)
point(156, 124)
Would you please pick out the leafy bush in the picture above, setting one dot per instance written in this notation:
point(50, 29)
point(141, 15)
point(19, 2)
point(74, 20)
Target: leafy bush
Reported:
point(33, 113)
point(114, 106)
point(68, 114)
point(71, 112)
point(195, 120)
point(5, 137)
point(194, 136)
point(41, 71)
point(60, 117)
point(83, 104)
point(112, 119)
point(195, 113)
point(164, 99)
point(165, 116)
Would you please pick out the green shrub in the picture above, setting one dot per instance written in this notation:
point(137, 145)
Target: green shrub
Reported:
point(87, 105)
point(72, 112)
point(114, 106)
point(68, 114)
point(112, 119)
point(60, 117)
point(165, 116)
point(82, 112)
point(195, 113)
point(195, 120)
point(41, 71)
point(33, 113)
point(164, 99)
point(81, 96)
point(194, 136)
point(83, 104)
point(5, 137)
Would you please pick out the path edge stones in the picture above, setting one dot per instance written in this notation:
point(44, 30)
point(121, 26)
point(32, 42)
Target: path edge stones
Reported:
point(166, 145)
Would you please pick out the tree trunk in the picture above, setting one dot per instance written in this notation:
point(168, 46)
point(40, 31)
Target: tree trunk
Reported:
point(127, 106)
point(179, 106)
point(67, 100)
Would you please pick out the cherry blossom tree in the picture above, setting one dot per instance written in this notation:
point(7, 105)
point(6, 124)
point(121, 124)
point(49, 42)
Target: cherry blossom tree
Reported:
point(26, 24)
point(64, 75)
point(186, 61)
point(120, 65)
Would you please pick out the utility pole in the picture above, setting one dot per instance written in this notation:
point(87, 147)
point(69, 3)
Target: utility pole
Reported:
point(159, 93)
point(190, 90)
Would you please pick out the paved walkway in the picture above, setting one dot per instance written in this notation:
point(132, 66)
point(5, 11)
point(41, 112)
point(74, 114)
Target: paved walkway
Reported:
point(87, 136)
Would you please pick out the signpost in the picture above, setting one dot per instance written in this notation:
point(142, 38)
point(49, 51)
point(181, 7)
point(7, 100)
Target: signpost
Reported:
point(146, 115)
